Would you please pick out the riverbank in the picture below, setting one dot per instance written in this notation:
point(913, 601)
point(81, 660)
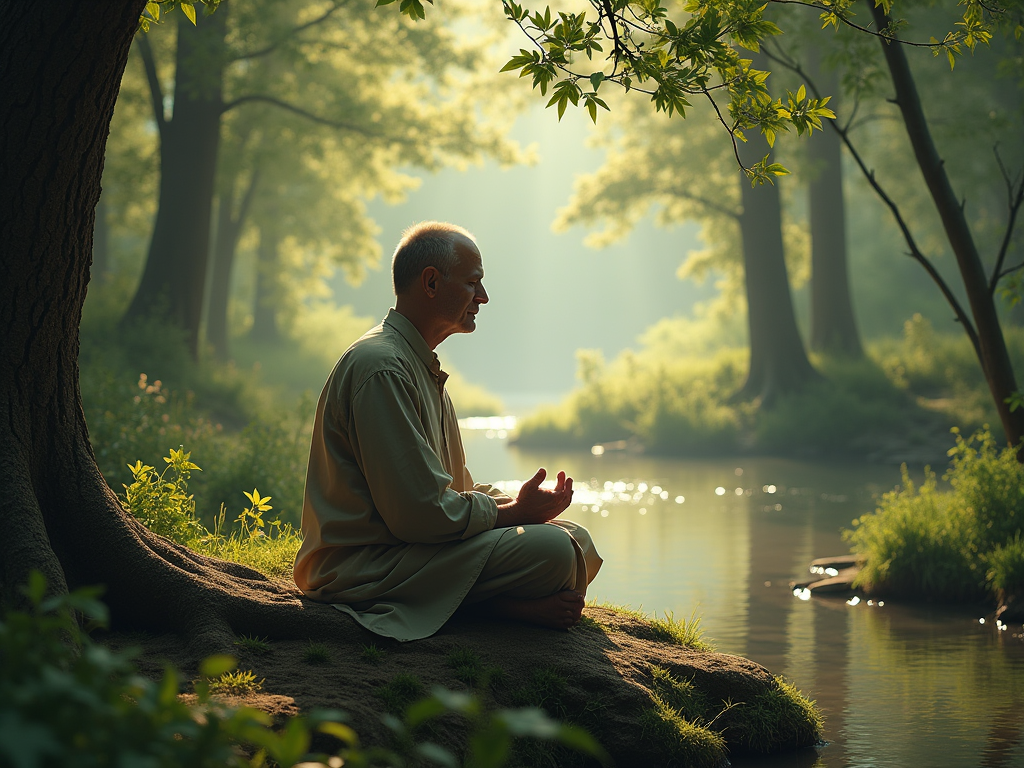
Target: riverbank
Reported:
point(647, 698)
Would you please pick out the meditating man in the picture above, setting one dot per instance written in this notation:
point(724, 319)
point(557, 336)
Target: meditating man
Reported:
point(395, 532)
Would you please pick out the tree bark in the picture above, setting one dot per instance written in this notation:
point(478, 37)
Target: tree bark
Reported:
point(264, 313)
point(101, 242)
point(778, 361)
point(61, 64)
point(229, 228)
point(174, 277)
point(992, 352)
point(833, 325)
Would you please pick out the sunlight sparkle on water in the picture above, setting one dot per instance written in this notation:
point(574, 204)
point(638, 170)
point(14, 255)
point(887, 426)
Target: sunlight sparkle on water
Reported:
point(719, 491)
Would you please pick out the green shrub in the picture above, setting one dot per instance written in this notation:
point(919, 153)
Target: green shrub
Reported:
point(1006, 567)
point(165, 506)
point(953, 544)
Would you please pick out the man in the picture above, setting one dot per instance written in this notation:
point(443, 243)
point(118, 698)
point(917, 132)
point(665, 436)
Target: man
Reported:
point(396, 534)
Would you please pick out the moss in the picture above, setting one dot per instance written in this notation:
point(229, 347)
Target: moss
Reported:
point(682, 695)
point(685, 632)
point(777, 719)
point(399, 692)
point(681, 742)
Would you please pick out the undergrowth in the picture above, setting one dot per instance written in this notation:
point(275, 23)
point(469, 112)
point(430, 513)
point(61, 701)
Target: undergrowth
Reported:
point(906, 392)
point(956, 544)
point(65, 700)
point(163, 503)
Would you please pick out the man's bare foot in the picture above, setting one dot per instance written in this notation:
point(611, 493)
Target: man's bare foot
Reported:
point(558, 611)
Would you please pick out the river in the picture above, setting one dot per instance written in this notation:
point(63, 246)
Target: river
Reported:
point(899, 684)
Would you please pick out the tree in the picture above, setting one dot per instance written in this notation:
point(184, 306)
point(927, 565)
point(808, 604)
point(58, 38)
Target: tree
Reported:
point(174, 277)
point(285, 80)
point(833, 325)
point(688, 172)
point(63, 63)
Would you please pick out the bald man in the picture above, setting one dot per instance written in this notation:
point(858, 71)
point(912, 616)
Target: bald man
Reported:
point(395, 532)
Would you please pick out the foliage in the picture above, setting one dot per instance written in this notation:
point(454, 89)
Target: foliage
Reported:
point(67, 701)
point(267, 546)
point(236, 682)
point(952, 544)
point(684, 405)
point(371, 653)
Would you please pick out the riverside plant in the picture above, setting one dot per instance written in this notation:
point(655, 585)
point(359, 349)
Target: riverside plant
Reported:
point(956, 544)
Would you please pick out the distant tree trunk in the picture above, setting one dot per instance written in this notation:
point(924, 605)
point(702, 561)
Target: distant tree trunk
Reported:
point(991, 346)
point(61, 64)
point(229, 228)
point(778, 362)
point(101, 242)
point(833, 326)
point(264, 313)
point(175, 274)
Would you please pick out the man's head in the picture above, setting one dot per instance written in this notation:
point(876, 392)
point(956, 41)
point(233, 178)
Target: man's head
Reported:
point(438, 279)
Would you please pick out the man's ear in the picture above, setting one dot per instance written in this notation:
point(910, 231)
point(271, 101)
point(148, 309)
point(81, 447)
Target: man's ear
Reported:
point(429, 279)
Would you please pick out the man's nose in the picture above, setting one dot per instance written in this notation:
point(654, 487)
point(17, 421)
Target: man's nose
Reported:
point(481, 295)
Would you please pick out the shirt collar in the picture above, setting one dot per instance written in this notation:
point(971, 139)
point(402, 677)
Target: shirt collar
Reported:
point(408, 331)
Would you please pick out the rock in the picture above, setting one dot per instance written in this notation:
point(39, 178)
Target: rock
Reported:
point(647, 699)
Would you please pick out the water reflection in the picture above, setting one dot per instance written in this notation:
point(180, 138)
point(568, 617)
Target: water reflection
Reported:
point(900, 685)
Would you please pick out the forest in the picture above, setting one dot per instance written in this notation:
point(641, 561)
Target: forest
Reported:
point(725, 242)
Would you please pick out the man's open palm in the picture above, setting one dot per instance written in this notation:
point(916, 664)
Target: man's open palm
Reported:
point(536, 505)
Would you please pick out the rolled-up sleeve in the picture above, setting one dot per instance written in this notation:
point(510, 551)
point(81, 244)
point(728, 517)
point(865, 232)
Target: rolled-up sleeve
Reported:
point(409, 486)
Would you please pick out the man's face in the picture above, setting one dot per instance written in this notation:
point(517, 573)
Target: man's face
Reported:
point(460, 295)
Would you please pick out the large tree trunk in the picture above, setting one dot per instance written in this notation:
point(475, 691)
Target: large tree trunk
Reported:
point(833, 327)
point(101, 242)
point(264, 312)
point(175, 274)
point(61, 64)
point(229, 227)
point(991, 348)
point(778, 362)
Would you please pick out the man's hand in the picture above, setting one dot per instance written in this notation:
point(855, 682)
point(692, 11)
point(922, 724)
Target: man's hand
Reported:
point(535, 505)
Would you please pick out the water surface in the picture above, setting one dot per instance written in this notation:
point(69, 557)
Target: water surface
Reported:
point(900, 685)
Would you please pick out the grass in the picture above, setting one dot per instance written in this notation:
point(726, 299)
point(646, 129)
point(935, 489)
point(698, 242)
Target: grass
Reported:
point(253, 644)
point(669, 629)
point(399, 692)
point(679, 741)
point(236, 683)
point(957, 544)
point(317, 653)
point(372, 654)
point(681, 695)
point(775, 719)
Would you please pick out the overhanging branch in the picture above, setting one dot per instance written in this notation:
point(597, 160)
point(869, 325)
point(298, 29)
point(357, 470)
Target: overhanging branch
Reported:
point(291, 33)
point(914, 252)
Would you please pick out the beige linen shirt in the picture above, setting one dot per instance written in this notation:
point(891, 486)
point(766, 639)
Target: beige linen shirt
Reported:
point(395, 533)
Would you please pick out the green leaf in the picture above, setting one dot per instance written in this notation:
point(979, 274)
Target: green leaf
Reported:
point(341, 732)
point(217, 665)
point(153, 9)
point(436, 754)
point(596, 79)
point(189, 10)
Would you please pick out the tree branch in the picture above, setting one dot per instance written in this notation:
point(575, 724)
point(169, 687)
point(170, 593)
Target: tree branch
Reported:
point(711, 205)
point(340, 124)
point(1013, 200)
point(291, 33)
point(156, 93)
point(915, 252)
